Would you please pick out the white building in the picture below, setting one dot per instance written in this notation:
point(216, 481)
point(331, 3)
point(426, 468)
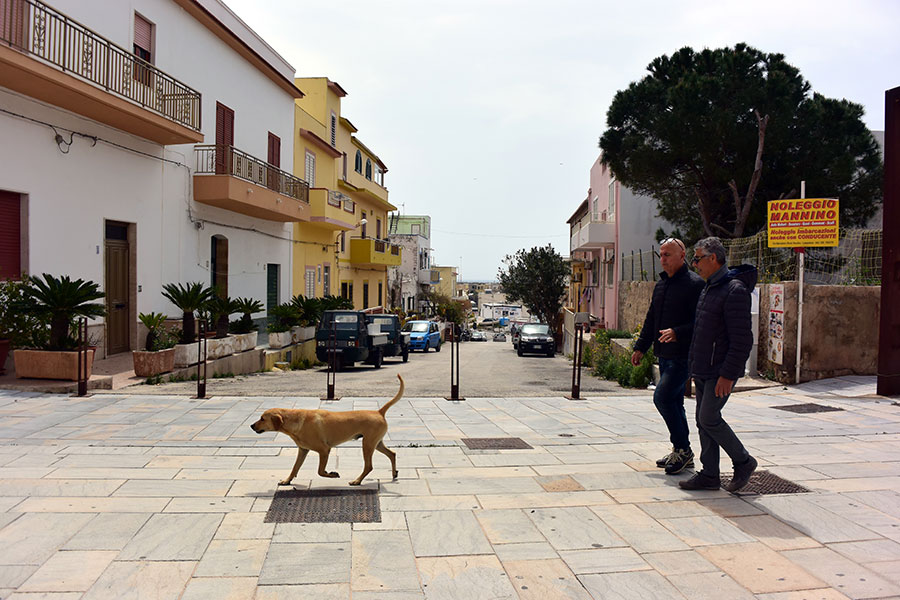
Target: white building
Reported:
point(492, 310)
point(415, 275)
point(146, 151)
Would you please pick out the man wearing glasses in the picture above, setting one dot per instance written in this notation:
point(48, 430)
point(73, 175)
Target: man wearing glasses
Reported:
point(722, 342)
point(668, 327)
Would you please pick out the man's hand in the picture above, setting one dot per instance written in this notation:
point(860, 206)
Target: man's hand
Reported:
point(723, 387)
point(666, 335)
point(636, 357)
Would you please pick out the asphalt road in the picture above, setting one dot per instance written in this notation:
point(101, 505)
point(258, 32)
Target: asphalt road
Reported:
point(487, 369)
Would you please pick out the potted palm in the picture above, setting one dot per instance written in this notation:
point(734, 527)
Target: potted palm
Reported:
point(189, 298)
point(284, 317)
point(244, 329)
point(56, 303)
point(17, 323)
point(158, 355)
point(219, 309)
point(307, 316)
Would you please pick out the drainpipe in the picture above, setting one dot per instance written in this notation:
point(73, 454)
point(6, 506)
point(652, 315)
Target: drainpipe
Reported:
point(800, 265)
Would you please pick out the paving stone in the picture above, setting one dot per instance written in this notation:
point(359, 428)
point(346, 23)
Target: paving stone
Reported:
point(642, 532)
point(446, 533)
point(635, 585)
point(731, 507)
point(841, 573)
point(679, 563)
point(92, 505)
point(674, 510)
point(543, 579)
point(101, 473)
point(245, 526)
point(818, 523)
point(70, 571)
point(703, 531)
point(603, 560)
point(135, 580)
point(543, 500)
point(868, 552)
point(208, 505)
point(172, 537)
point(410, 504)
point(820, 594)
point(710, 586)
point(33, 538)
point(12, 576)
point(382, 561)
point(107, 531)
point(508, 526)
point(306, 563)
point(232, 558)
point(662, 494)
point(220, 588)
point(766, 572)
point(574, 528)
point(773, 533)
point(527, 551)
point(456, 577)
point(311, 532)
point(60, 487)
point(10, 595)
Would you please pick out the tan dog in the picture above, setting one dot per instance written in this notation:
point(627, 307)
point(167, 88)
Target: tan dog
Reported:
point(322, 430)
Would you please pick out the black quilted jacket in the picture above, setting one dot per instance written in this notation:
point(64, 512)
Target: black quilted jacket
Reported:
point(673, 306)
point(722, 331)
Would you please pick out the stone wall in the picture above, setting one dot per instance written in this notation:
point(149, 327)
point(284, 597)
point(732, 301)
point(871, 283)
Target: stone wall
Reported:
point(840, 328)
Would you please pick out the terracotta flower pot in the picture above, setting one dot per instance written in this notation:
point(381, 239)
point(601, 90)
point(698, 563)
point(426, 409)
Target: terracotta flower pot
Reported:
point(148, 364)
point(50, 364)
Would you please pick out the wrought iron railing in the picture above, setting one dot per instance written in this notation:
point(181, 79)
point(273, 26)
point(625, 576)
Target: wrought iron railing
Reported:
point(227, 160)
point(40, 31)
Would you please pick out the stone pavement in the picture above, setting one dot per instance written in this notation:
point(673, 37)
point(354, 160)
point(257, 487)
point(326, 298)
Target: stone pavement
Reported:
point(127, 496)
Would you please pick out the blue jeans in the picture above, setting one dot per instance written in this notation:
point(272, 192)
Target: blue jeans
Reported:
point(669, 399)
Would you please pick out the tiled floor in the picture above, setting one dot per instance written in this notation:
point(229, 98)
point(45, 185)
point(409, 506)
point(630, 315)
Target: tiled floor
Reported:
point(130, 496)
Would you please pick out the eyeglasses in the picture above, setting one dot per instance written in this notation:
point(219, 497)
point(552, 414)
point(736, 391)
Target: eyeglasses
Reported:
point(698, 257)
point(670, 240)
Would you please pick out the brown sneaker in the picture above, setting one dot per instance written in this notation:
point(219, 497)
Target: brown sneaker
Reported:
point(742, 475)
point(682, 459)
point(663, 462)
point(700, 482)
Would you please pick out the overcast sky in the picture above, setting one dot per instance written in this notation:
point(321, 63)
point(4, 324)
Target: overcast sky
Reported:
point(488, 112)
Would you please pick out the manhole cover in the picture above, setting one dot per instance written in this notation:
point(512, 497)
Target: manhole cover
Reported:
point(496, 444)
point(324, 506)
point(763, 482)
point(807, 408)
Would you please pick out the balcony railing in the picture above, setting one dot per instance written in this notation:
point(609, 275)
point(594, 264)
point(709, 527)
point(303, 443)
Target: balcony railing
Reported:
point(40, 31)
point(227, 160)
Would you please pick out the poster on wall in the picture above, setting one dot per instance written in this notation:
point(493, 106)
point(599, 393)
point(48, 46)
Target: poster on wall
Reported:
point(776, 324)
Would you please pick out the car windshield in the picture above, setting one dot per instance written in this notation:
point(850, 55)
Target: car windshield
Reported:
point(535, 330)
point(381, 320)
point(342, 322)
point(420, 327)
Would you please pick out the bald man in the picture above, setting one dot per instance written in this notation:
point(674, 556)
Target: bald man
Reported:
point(668, 327)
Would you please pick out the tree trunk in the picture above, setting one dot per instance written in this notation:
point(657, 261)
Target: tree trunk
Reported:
point(188, 327)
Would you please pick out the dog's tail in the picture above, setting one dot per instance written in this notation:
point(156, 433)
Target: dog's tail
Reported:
point(394, 400)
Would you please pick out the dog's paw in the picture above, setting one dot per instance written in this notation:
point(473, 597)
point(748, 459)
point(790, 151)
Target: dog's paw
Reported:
point(396, 474)
point(332, 474)
point(355, 482)
point(284, 482)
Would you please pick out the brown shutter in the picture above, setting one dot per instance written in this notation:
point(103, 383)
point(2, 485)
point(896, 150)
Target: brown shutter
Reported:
point(274, 158)
point(10, 236)
point(224, 138)
point(12, 22)
point(143, 33)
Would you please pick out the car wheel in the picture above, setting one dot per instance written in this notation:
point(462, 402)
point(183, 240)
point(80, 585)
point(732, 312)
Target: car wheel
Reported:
point(519, 351)
point(438, 347)
point(376, 360)
point(425, 348)
point(406, 355)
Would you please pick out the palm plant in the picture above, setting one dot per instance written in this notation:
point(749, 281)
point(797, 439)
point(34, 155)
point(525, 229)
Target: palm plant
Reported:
point(284, 316)
point(157, 336)
point(246, 306)
point(59, 301)
point(220, 308)
point(188, 298)
point(309, 310)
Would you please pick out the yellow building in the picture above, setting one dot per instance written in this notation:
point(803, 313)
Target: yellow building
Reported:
point(447, 286)
point(342, 250)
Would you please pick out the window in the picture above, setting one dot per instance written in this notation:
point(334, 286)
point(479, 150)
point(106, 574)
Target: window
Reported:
point(11, 228)
point(595, 211)
point(414, 229)
point(378, 228)
point(310, 169)
point(357, 166)
point(365, 294)
point(363, 218)
point(347, 290)
point(612, 198)
point(343, 241)
point(143, 49)
point(368, 169)
point(380, 290)
point(224, 138)
point(310, 283)
point(273, 155)
point(333, 130)
point(326, 280)
point(610, 267)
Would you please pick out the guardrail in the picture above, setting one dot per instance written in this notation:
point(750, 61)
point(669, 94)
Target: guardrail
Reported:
point(228, 160)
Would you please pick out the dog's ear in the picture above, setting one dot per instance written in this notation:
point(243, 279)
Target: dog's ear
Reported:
point(277, 421)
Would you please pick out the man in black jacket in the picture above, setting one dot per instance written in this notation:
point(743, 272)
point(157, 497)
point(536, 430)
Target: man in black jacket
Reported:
point(668, 327)
point(722, 342)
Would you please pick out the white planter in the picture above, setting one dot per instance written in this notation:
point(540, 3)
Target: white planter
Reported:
point(217, 348)
point(245, 341)
point(279, 340)
point(185, 354)
point(295, 334)
point(301, 334)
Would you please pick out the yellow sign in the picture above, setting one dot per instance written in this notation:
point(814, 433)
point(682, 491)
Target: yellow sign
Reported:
point(803, 223)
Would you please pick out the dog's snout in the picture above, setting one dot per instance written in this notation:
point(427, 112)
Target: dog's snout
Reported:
point(253, 427)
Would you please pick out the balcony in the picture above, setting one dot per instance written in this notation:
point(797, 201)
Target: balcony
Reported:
point(429, 276)
point(369, 251)
point(331, 210)
point(231, 179)
point(49, 57)
point(593, 235)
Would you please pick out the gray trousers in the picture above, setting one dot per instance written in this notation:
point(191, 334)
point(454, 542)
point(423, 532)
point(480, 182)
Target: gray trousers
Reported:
point(714, 431)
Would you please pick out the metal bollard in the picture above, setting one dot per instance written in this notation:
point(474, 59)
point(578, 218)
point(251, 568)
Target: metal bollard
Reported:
point(454, 365)
point(576, 363)
point(331, 371)
point(201, 360)
point(82, 357)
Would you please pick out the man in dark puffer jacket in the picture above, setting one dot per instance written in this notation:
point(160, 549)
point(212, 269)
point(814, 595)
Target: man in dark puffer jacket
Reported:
point(721, 345)
point(668, 327)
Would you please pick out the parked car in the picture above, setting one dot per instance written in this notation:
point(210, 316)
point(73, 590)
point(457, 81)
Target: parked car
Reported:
point(478, 336)
point(536, 338)
point(347, 335)
point(398, 341)
point(500, 337)
point(423, 335)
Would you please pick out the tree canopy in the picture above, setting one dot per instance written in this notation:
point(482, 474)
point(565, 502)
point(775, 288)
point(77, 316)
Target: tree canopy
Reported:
point(714, 135)
point(537, 279)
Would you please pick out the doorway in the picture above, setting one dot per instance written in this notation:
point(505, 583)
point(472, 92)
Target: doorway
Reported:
point(118, 304)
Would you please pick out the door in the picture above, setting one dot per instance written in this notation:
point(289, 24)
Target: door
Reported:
point(219, 264)
point(271, 289)
point(224, 138)
point(117, 286)
point(10, 234)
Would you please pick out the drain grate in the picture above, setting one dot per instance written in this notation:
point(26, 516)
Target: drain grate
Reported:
point(496, 444)
point(808, 408)
point(763, 482)
point(324, 506)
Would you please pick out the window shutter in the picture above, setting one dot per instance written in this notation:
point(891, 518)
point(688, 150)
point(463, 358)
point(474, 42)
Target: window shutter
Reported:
point(333, 130)
point(143, 33)
point(10, 236)
point(310, 169)
point(274, 157)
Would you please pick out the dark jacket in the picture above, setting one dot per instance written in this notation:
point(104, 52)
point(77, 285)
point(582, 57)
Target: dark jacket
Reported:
point(673, 306)
point(723, 336)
